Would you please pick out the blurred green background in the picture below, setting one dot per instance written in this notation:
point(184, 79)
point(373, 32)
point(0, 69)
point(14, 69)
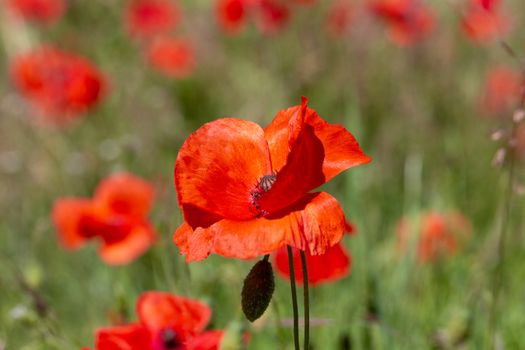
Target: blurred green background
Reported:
point(414, 110)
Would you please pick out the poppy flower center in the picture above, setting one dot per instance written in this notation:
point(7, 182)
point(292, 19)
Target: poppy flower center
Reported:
point(263, 186)
point(170, 339)
point(111, 230)
point(266, 182)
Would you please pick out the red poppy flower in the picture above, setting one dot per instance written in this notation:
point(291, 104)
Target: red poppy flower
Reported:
point(438, 235)
point(486, 4)
point(166, 322)
point(272, 15)
point(333, 265)
point(116, 216)
point(232, 14)
point(501, 91)
point(148, 18)
point(210, 340)
point(483, 21)
point(244, 191)
point(45, 11)
point(408, 20)
point(339, 17)
point(173, 57)
point(61, 84)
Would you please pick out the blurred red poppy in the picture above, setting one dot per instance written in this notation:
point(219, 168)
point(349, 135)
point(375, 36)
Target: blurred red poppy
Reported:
point(339, 17)
point(270, 15)
point(148, 18)
point(244, 191)
point(436, 235)
point(331, 266)
point(501, 91)
point(231, 14)
point(408, 20)
point(116, 216)
point(483, 21)
point(174, 57)
point(166, 321)
point(45, 11)
point(61, 84)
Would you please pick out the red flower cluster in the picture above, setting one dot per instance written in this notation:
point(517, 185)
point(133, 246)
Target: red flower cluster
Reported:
point(149, 18)
point(116, 216)
point(153, 21)
point(61, 84)
point(483, 21)
point(44, 11)
point(502, 90)
point(244, 191)
point(166, 322)
point(408, 21)
point(269, 15)
point(436, 235)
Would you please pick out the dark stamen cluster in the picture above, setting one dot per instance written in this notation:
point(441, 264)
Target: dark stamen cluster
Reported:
point(170, 340)
point(264, 185)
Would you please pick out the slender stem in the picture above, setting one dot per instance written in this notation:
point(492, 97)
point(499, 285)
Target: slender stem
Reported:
point(294, 300)
point(499, 270)
point(306, 297)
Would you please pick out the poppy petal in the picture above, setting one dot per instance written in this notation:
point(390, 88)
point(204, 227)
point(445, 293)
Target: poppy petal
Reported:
point(160, 310)
point(316, 222)
point(210, 340)
point(66, 216)
point(125, 194)
point(134, 244)
point(306, 151)
point(329, 267)
point(217, 169)
point(128, 337)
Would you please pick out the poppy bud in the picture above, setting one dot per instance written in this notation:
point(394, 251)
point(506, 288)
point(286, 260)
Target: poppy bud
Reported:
point(257, 290)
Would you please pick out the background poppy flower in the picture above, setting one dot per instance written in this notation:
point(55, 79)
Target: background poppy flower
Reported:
point(244, 190)
point(408, 21)
point(116, 216)
point(174, 57)
point(45, 11)
point(501, 90)
point(231, 14)
point(483, 21)
point(270, 15)
point(331, 266)
point(61, 84)
point(166, 321)
point(436, 235)
point(339, 17)
point(148, 18)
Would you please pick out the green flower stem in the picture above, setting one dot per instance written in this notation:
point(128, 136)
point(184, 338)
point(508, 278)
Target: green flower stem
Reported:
point(294, 300)
point(306, 298)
